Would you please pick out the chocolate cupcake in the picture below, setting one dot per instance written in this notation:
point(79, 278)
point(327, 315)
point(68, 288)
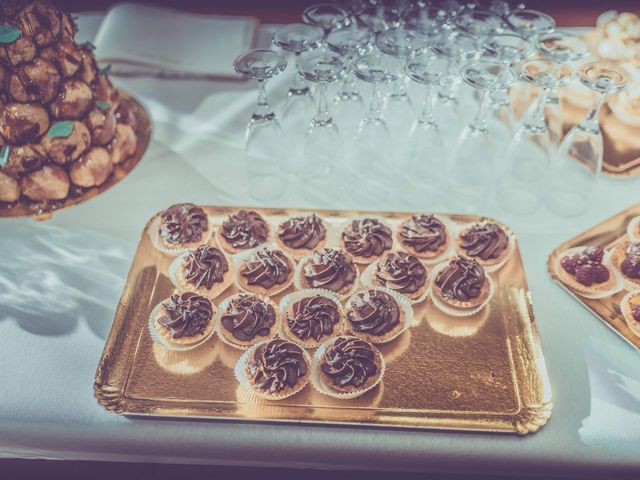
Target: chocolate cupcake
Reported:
point(461, 287)
point(265, 271)
point(425, 236)
point(301, 235)
point(180, 227)
point(246, 319)
point(488, 243)
point(366, 239)
point(400, 272)
point(329, 269)
point(630, 308)
point(346, 367)
point(276, 369)
point(626, 259)
point(588, 272)
point(243, 231)
point(377, 315)
point(183, 321)
point(311, 316)
point(204, 270)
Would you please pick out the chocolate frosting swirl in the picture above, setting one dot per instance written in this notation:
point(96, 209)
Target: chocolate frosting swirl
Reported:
point(248, 317)
point(277, 365)
point(373, 312)
point(266, 268)
point(183, 223)
point(313, 317)
point(484, 240)
point(630, 266)
point(367, 237)
point(461, 280)
point(423, 233)
point(401, 272)
point(245, 229)
point(330, 269)
point(204, 266)
point(302, 232)
point(186, 315)
point(349, 362)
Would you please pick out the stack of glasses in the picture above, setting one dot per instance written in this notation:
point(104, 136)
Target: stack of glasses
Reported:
point(429, 67)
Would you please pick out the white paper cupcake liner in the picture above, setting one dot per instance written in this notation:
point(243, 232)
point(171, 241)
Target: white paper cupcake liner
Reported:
point(366, 279)
point(222, 308)
point(241, 376)
point(584, 292)
point(239, 258)
point(631, 322)
point(297, 254)
point(297, 279)
point(158, 338)
point(404, 304)
point(496, 266)
point(632, 229)
point(450, 310)
point(183, 286)
point(159, 245)
point(364, 260)
point(452, 234)
point(290, 299)
point(318, 381)
point(627, 283)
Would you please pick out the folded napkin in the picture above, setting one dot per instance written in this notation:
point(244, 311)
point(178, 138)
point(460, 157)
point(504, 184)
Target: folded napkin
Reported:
point(142, 40)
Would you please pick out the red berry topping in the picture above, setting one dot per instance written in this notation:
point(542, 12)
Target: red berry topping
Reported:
point(600, 273)
point(585, 275)
point(595, 254)
point(569, 263)
point(635, 312)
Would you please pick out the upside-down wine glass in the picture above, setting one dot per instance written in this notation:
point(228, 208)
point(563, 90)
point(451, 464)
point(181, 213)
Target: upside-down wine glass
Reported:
point(579, 161)
point(263, 137)
point(424, 150)
point(323, 150)
point(563, 47)
point(472, 160)
point(378, 18)
point(528, 156)
point(326, 16)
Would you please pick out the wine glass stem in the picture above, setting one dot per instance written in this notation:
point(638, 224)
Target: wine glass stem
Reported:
point(348, 85)
point(537, 119)
point(375, 107)
point(263, 111)
point(426, 115)
point(591, 121)
point(298, 86)
point(323, 117)
point(480, 122)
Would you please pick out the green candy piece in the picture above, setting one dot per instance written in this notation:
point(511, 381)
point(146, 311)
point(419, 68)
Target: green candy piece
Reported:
point(4, 155)
point(102, 105)
point(9, 34)
point(61, 129)
point(104, 70)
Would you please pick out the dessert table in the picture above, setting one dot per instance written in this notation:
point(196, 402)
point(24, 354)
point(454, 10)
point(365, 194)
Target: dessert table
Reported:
point(61, 280)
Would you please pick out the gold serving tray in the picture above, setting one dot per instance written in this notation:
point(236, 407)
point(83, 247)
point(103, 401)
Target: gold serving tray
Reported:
point(606, 235)
point(25, 208)
point(484, 372)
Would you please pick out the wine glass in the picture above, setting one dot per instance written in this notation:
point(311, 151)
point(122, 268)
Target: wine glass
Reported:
point(424, 150)
point(479, 24)
point(579, 160)
point(530, 23)
point(378, 18)
point(326, 16)
point(472, 159)
point(563, 47)
point(527, 158)
point(373, 148)
point(350, 43)
point(427, 20)
point(263, 137)
point(402, 44)
point(323, 152)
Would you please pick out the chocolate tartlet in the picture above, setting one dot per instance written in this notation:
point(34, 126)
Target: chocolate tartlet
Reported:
point(401, 272)
point(243, 230)
point(204, 270)
point(486, 242)
point(375, 315)
point(183, 225)
point(350, 365)
point(365, 239)
point(184, 319)
point(247, 319)
point(277, 369)
point(330, 269)
point(630, 308)
point(302, 235)
point(311, 319)
point(583, 269)
point(265, 271)
point(425, 236)
point(626, 259)
point(461, 286)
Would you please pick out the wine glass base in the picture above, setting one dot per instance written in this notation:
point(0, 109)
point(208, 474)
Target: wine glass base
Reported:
point(267, 188)
point(518, 201)
point(324, 191)
point(567, 204)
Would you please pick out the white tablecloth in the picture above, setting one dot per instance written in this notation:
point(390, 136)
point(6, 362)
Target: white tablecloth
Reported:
point(60, 282)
